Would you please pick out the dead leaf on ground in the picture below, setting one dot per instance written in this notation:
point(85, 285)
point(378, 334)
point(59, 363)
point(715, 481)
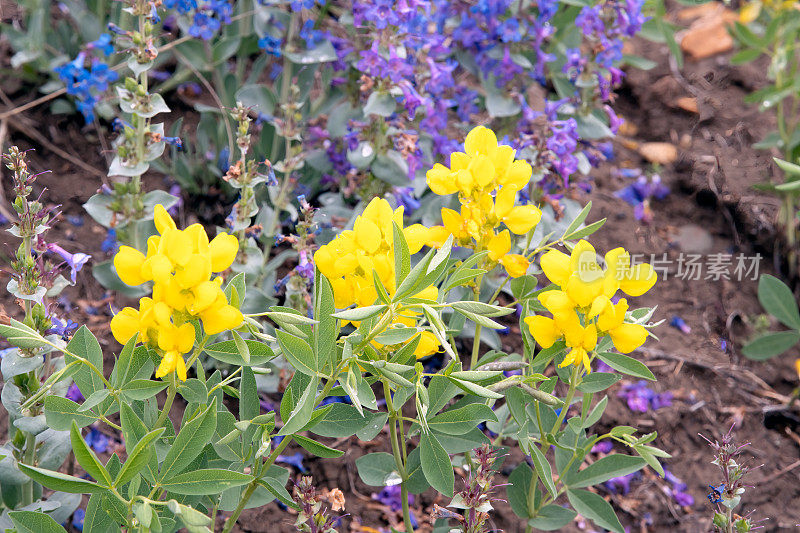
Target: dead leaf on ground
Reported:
point(687, 103)
point(708, 35)
point(661, 153)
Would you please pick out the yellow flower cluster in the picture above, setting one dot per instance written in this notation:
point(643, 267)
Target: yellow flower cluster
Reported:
point(582, 309)
point(487, 179)
point(349, 260)
point(180, 264)
point(750, 11)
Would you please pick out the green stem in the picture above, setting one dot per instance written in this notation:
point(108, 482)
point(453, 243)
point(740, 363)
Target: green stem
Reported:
point(29, 458)
point(398, 458)
point(570, 395)
point(263, 467)
point(168, 403)
point(476, 342)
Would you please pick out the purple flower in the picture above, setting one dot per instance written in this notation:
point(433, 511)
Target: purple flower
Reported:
point(74, 393)
point(77, 519)
point(97, 440)
point(62, 328)
point(391, 497)
point(109, 244)
point(640, 398)
point(621, 484)
point(680, 324)
point(271, 45)
point(295, 461)
point(75, 261)
point(204, 26)
point(604, 446)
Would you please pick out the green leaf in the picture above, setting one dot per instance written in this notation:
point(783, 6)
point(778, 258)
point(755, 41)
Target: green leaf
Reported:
point(377, 469)
point(594, 416)
point(33, 522)
point(552, 517)
point(777, 299)
point(436, 465)
point(745, 56)
point(259, 97)
point(298, 352)
point(60, 482)
point(317, 448)
point(626, 365)
point(770, 345)
point(543, 469)
point(22, 336)
point(133, 431)
point(194, 391)
point(206, 481)
point(193, 437)
point(325, 331)
point(598, 381)
point(87, 458)
point(595, 508)
point(380, 103)
point(60, 413)
point(357, 314)
point(474, 388)
point(604, 469)
point(461, 420)
point(227, 352)
point(141, 389)
point(341, 421)
point(84, 344)
point(302, 409)
point(518, 488)
point(138, 457)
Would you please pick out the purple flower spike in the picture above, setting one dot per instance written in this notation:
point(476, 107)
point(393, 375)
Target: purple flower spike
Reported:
point(75, 261)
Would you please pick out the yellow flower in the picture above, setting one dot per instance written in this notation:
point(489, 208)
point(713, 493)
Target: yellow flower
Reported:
point(180, 264)
point(516, 265)
point(350, 260)
point(626, 337)
point(487, 179)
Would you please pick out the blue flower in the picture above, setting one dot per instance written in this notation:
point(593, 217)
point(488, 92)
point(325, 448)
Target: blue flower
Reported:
point(204, 26)
point(183, 6)
point(77, 519)
point(62, 328)
point(271, 45)
point(295, 460)
point(97, 440)
point(104, 44)
point(74, 393)
point(110, 244)
point(715, 496)
point(75, 261)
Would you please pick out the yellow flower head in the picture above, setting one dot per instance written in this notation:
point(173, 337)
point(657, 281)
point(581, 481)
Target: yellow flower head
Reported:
point(581, 306)
point(487, 179)
point(350, 260)
point(180, 263)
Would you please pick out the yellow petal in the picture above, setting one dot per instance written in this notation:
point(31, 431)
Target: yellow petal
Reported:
point(544, 330)
point(199, 238)
point(522, 219)
point(416, 236)
point(128, 263)
point(158, 268)
point(437, 236)
point(499, 245)
point(555, 266)
point(185, 338)
point(218, 319)
point(628, 337)
point(440, 180)
point(125, 325)
point(557, 302)
point(518, 175)
point(504, 202)
point(452, 222)
point(638, 280)
point(516, 265)
point(459, 161)
point(583, 293)
point(749, 12)
point(368, 235)
point(224, 248)
point(325, 261)
point(482, 170)
point(205, 294)
point(480, 140)
point(167, 364)
point(428, 345)
point(196, 271)
point(180, 368)
point(162, 219)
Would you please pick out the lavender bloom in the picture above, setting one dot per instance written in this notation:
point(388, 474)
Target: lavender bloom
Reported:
point(639, 194)
point(391, 497)
point(680, 324)
point(604, 446)
point(97, 440)
point(204, 26)
point(62, 328)
point(75, 261)
point(295, 460)
point(74, 393)
point(621, 484)
point(640, 398)
point(183, 6)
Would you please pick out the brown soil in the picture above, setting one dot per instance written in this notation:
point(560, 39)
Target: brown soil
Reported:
point(714, 388)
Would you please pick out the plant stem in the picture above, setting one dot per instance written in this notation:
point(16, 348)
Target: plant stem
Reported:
point(476, 342)
point(30, 458)
point(168, 403)
point(570, 394)
point(262, 467)
point(398, 459)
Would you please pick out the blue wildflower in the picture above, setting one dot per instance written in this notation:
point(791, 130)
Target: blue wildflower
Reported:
point(271, 45)
point(74, 393)
point(61, 327)
point(204, 26)
point(715, 496)
point(78, 518)
point(97, 440)
point(109, 244)
point(75, 261)
point(104, 44)
point(295, 461)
